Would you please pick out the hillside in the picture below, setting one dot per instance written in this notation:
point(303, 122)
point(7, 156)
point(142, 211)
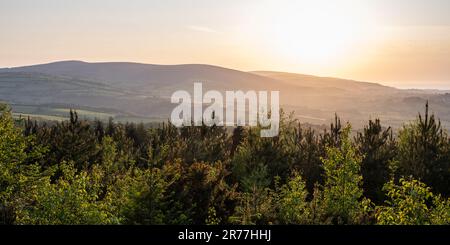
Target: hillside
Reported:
point(134, 91)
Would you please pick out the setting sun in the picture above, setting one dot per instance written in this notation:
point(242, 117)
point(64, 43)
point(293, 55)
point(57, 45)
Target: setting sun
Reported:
point(315, 33)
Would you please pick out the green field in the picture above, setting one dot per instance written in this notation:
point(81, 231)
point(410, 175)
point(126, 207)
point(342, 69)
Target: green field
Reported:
point(48, 113)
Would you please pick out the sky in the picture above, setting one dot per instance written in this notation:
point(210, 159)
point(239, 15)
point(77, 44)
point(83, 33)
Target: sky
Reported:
point(402, 43)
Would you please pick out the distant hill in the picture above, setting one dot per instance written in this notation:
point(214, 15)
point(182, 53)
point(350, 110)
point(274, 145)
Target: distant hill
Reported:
point(141, 92)
point(146, 77)
point(325, 82)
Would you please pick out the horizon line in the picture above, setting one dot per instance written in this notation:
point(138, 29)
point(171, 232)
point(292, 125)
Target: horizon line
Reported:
point(254, 72)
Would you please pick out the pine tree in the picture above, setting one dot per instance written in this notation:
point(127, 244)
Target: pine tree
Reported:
point(72, 140)
point(424, 153)
point(377, 146)
point(291, 202)
point(342, 197)
point(306, 153)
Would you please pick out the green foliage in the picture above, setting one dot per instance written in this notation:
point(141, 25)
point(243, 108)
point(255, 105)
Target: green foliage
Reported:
point(287, 204)
point(255, 207)
point(73, 199)
point(212, 217)
point(150, 200)
point(424, 153)
point(16, 176)
point(307, 150)
point(377, 146)
point(82, 172)
point(72, 140)
point(342, 190)
point(293, 208)
point(206, 188)
point(412, 203)
point(257, 160)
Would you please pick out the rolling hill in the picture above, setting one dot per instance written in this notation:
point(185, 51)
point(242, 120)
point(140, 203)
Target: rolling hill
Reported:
point(141, 92)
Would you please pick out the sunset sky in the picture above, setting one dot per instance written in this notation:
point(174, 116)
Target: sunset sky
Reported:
point(403, 43)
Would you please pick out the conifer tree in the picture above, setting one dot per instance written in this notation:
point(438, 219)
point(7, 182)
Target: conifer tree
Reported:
point(342, 197)
point(424, 153)
point(377, 147)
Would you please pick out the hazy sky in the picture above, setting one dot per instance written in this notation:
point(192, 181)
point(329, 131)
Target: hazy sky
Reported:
point(405, 43)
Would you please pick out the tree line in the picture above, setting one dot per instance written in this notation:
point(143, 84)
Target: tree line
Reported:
point(91, 172)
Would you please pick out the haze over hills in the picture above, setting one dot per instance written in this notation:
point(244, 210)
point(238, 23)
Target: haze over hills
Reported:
point(147, 77)
point(135, 92)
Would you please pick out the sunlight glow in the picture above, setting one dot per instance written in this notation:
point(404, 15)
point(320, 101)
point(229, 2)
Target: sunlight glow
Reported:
point(317, 32)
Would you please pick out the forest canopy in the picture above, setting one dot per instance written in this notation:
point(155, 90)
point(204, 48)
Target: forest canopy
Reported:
point(92, 172)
